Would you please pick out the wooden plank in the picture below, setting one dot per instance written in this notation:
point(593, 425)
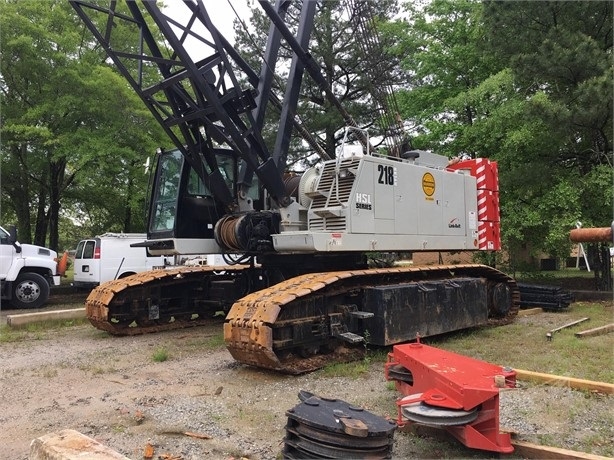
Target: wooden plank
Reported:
point(550, 379)
point(51, 315)
point(530, 311)
point(596, 331)
point(552, 331)
point(529, 450)
point(522, 449)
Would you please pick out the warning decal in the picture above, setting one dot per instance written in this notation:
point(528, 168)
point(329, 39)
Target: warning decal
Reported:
point(428, 184)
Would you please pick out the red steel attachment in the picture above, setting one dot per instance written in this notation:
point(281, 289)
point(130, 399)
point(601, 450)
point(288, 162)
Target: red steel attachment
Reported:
point(450, 391)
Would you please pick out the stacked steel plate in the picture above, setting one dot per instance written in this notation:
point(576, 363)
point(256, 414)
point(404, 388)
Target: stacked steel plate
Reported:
point(331, 428)
point(549, 298)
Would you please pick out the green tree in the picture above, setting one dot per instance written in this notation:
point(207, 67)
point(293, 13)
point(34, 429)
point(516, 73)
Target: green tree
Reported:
point(440, 47)
point(73, 135)
point(528, 84)
point(556, 153)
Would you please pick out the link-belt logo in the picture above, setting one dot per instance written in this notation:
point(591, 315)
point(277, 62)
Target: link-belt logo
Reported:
point(363, 201)
point(454, 223)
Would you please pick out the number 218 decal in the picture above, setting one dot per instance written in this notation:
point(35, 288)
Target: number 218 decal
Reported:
point(386, 174)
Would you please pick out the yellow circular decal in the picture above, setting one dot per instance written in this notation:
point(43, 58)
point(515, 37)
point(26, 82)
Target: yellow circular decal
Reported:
point(428, 184)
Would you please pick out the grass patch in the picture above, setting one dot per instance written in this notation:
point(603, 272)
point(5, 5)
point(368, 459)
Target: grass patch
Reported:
point(10, 335)
point(48, 372)
point(53, 324)
point(34, 331)
point(356, 369)
point(554, 274)
point(103, 370)
point(198, 343)
point(160, 355)
point(215, 341)
point(523, 344)
point(69, 276)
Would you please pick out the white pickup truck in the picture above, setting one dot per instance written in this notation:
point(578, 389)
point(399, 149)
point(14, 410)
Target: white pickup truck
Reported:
point(26, 271)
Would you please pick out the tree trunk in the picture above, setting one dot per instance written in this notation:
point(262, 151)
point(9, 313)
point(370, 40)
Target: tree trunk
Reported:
point(128, 210)
point(56, 169)
point(603, 268)
point(20, 195)
point(40, 229)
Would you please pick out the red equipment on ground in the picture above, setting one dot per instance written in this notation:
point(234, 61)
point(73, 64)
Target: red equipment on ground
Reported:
point(450, 391)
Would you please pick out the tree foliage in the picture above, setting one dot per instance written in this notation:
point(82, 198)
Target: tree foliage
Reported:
point(528, 84)
point(73, 135)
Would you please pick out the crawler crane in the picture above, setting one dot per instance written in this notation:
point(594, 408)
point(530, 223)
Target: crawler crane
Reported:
point(302, 293)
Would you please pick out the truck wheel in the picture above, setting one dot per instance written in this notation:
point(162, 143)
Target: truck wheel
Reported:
point(30, 290)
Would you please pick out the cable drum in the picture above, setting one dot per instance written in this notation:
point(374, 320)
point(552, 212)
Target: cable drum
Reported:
point(308, 184)
point(226, 232)
point(247, 233)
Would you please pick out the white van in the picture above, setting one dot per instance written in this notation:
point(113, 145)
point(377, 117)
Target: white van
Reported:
point(109, 256)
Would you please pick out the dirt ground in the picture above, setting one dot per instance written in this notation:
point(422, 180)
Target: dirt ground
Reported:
point(114, 390)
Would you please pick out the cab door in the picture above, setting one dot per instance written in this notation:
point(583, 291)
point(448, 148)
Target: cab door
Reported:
point(7, 253)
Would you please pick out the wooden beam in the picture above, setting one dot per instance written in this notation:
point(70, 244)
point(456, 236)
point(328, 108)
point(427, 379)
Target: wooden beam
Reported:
point(579, 384)
point(51, 315)
point(529, 450)
point(596, 331)
point(573, 323)
point(522, 449)
point(530, 311)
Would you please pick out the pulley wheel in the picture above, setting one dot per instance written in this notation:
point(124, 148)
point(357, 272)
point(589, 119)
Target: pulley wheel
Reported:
point(398, 372)
point(425, 414)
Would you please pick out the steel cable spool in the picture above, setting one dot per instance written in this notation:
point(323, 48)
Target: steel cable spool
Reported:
point(331, 428)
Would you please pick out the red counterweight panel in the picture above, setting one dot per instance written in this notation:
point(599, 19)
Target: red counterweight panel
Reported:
point(486, 173)
point(489, 236)
point(488, 206)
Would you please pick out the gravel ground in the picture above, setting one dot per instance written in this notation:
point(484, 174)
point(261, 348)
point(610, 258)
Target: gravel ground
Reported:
point(113, 390)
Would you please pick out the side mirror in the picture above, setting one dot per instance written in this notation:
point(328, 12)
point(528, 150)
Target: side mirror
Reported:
point(13, 238)
point(12, 234)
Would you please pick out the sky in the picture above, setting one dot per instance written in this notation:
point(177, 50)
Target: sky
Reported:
point(220, 11)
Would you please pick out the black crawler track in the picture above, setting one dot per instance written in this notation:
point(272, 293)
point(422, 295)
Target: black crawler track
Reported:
point(258, 326)
point(273, 327)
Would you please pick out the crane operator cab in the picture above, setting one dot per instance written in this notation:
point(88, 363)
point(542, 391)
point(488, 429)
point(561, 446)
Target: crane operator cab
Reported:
point(183, 211)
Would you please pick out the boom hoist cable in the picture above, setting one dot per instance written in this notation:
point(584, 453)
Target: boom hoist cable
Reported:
point(312, 68)
point(362, 19)
point(298, 123)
